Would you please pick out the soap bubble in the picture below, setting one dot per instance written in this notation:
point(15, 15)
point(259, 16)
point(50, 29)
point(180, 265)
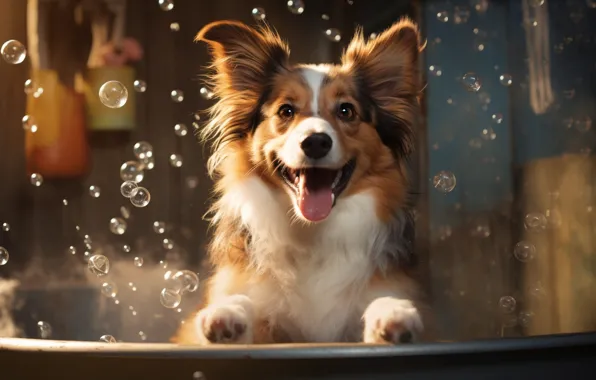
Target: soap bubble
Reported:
point(583, 124)
point(488, 134)
point(524, 251)
point(497, 118)
point(29, 123)
point(140, 197)
point(159, 227)
point(125, 212)
point(206, 93)
point(126, 248)
point(99, 265)
point(333, 34)
point(177, 96)
point(109, 289)
point(170, 298)
point(175, 27)
point(258, 14)
point(506, 80)
point(139, 85)
point(113, 94)
point(142, 150)
point(33, 88)
point(443, 16)
point(127, 187)
point(192, 182)
point(36, 179)
point(188, 281)
point(132, 287)
point(107, 339)
point(163, 264)
point(147, 163)
point(13, 52)
point(325, 17)
point(461, 15)
point(180, 129)
point(94, 191)
point(4, 256)
point(535, 221)
point(176, 160)
point(296, 6)
point(435, 70)
point(168, 244)
point(44, 329)
point(507, 304)
point(138, 261)
point(525, 318)
point(444, 181)
point(131, 171)
point(5, 227)
point(72, 250)
point(118, 226)
point(471, 82)
point(166, 5)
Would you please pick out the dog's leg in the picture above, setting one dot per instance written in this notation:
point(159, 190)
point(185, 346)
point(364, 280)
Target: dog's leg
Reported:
point(391, 320)
point(230, 321)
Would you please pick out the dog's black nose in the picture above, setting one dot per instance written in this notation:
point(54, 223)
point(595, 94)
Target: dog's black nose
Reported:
point(317, 145)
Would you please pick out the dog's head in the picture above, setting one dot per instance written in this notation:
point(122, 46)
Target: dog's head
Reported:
point(317, 132)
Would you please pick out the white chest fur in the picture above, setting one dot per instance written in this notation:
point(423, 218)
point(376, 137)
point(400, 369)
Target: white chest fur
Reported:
point(315, 275)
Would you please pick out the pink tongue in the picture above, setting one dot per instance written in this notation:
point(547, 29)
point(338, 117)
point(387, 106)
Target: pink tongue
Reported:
point(315, 205)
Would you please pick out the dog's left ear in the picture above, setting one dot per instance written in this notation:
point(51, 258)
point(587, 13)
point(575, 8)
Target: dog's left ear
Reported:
point(387, 69)
point(243, 57)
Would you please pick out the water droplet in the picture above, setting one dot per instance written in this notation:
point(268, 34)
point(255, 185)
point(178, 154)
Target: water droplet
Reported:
point(132, 171)
point(170, 298)
point(36, 179)
point(138, 261)
point(166, 5)
point(29, 123)
point(506, 80)
point(13, 52)
point(296, 6)
point(72, 250)
point(497, 118)
point(175, 27)
point(507, 304)
point(107, 339)
point(44, 330)
point(99, 265)
point(461, 15)
point(435, 70)
point(443, 16)
point(94, 191)
point(142, 150)
point(113, 94)
point(176, 160)
point(140, 197)
point(188, 281)
point(168, 244)
point(471, 82)
point(177, 96)
point(333, 34)
point(258, 14)
point(488, 134)
point(206, 93)
point(444, 181)
point(159, 227)
point(180, 130)
point(118, 226)
point(535, 222)
point(127, 187)
point(5, 227)
point(524, 251)
point(139, 85)
point(4, 256)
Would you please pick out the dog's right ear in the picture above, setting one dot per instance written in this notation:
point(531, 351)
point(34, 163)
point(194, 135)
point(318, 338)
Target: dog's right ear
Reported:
point(243, 58)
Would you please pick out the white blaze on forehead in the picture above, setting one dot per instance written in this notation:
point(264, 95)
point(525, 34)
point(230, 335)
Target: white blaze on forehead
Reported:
point(314, 76)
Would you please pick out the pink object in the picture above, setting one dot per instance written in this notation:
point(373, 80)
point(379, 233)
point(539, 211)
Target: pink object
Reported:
point(129, 51)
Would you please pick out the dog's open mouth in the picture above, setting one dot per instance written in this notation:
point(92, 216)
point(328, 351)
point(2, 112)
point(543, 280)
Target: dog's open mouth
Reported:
point(316, 188)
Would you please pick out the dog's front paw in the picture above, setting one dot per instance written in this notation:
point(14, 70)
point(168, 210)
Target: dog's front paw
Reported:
point(391, 320)
point(228, 322)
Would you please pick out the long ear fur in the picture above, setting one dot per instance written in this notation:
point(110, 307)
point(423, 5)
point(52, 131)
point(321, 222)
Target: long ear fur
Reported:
point(244, 61)
point(387, 68)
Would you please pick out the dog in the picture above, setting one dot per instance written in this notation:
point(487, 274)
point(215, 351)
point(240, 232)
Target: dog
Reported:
point(310, 171)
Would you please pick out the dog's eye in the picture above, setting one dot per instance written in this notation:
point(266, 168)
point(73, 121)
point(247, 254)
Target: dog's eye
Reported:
point(346, 112)
point(286, 112)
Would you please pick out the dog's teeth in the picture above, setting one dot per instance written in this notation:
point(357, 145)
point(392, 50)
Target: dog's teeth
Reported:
point(337, 178)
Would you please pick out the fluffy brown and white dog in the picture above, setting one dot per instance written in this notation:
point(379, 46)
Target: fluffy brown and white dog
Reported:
point(310, 170)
